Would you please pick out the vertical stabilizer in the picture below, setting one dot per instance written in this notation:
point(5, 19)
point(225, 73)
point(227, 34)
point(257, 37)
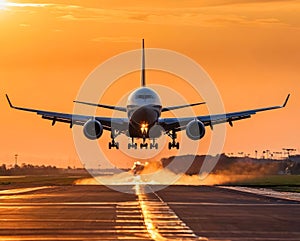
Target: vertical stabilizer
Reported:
point(143, 80)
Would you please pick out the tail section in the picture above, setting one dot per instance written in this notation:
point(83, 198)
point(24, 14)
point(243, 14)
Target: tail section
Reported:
point(143, 77)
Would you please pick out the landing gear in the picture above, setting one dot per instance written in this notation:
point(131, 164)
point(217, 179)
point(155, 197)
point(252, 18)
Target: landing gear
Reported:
point(142, 145)
point(113, 143)
point(132, 144)
point(153, 145)
point(173, 144)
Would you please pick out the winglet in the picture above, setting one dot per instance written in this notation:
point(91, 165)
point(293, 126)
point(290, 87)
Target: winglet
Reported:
point(286, 100)
point(10, 104)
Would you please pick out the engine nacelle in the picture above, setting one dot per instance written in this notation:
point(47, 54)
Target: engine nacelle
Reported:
point(92, 129)
point(195, 130)
point(156, 131)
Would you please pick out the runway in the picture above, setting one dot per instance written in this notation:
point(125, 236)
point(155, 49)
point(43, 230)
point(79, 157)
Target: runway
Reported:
point(95, 212)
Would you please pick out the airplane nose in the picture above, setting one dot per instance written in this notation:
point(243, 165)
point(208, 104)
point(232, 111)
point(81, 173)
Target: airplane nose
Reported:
point(144, 115)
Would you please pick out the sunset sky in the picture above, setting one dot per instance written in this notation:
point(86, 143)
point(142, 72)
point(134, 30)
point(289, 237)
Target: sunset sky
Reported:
point(251, 50)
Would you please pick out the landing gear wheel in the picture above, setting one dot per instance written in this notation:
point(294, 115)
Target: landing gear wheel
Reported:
point(153, 145)
point(132, 145)
point(142, 145)
point(173, 144)
point(113, 144)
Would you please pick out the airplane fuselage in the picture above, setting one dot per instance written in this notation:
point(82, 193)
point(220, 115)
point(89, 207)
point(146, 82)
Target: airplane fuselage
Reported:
point(143, 110)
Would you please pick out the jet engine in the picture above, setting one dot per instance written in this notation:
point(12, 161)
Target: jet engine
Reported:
point(92, 129)
point(195, 130)
point(156, 131)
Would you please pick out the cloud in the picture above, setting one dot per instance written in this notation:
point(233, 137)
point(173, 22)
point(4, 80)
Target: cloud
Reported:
point(268, 21)
point(124, 39)
point(242, 20)
point(33, 5)
point(234, 2)
point(68, 17)
point(24, 25)
point(202, 15)
point(185, 16)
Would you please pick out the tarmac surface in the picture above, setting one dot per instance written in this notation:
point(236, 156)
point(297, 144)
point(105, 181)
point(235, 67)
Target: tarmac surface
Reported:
point(95, 212)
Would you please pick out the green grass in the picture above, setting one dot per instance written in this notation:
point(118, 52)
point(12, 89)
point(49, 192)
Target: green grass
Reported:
point(282, 183)
point(286, 188)
point(40, 180)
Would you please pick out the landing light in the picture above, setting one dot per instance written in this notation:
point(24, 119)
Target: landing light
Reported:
point(144, 128)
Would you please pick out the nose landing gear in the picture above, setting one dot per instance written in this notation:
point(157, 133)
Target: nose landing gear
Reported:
point(142, 145)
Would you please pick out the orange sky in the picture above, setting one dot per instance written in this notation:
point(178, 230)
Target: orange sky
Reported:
point(47, 49)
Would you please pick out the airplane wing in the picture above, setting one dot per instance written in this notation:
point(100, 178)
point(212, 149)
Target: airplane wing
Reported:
point(71, 119)
point(119, 108)
point(179, 124)
point(123, 109)
point(180, 106)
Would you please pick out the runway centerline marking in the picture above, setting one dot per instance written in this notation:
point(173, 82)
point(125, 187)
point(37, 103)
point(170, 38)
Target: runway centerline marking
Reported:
point(161, 221)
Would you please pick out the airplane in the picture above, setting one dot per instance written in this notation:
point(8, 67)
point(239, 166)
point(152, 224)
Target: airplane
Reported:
point(144, 120)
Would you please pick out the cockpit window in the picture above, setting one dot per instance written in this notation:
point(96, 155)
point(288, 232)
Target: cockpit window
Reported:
point(144, 97)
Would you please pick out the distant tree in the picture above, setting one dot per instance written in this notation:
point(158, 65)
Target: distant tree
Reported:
point(3, 169)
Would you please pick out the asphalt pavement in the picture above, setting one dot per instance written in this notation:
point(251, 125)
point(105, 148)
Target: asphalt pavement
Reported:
point(95, 212)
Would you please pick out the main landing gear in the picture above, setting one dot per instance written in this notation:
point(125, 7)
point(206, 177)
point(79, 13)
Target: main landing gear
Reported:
point(113, 143)
point(152, 145)
point(173, 144)
point(132, 144)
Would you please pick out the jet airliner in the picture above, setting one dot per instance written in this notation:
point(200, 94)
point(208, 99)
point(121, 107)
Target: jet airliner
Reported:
point(144, 120)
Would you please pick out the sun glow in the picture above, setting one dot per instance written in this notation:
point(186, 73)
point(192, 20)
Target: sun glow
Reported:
point(3, 4)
